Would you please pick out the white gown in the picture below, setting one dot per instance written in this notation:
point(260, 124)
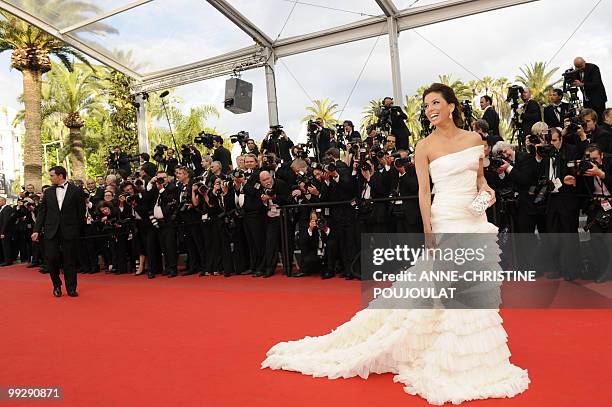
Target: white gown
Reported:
point(443, 355)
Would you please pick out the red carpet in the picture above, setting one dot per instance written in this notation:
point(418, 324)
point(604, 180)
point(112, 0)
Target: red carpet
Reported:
point(191, 341)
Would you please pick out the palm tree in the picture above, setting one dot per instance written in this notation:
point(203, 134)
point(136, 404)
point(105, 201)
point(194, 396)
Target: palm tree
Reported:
point(462, 91)
point(412, 108)
point(538, 80)
point(324, 109)
point(370, 114)
point(31, 50)
point(71, 93)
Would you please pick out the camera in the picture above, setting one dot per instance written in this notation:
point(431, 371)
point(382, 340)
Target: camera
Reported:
point(269, 191)
point(269, 162)
point(569, 76)
point(301, 151)
point(159, 181)
point(276, 131)
point(514, 94)
point(496, 161)
point(313, 126)
point(540, 191)
point(547, 151)
point(240, 137)
point(466, 105)
point(159, 151)
point(206, 139)
point(237, 173)
point(575, 123)
point(304, 177)
point(321, 222)
point(330, 167)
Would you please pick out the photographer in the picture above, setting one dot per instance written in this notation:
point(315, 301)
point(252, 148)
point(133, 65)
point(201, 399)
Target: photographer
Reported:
point(254, 215)
point(251, 147)
point(489, 115)
point(188, 219)
point(222, 154)
point(557, 110)
point(562, 209)
point(593, 180)
point(405, 213)
point(318, 246)
point(586, 131)
point(169, 162)
point(319, 138)
point(190, 158)
point(529, 112)
point(349, 134)
point(235, 229)
point(7, 224)
point(209, 200)
point(274, 193)
point(392, 119)
point(147, 166)
point(123, 229)
point(162, 240)
point(482, 127)
point(118, 160)
point(591, 85)
point(339, 185)
point(277, 142)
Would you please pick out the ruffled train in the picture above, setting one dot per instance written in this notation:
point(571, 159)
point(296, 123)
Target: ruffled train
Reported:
point(443, 355)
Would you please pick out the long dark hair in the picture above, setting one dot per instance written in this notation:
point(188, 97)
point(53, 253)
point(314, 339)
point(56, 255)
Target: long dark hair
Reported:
point(448, 94)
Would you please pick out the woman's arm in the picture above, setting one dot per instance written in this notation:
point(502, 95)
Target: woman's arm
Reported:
point(481, 181)
point(421, 162)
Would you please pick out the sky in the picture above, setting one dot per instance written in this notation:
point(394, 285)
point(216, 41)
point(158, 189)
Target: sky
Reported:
point(492, 44)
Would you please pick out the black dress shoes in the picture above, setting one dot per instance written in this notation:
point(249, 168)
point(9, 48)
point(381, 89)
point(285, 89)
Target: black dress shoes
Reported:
point(257, 274)
point(246, 272)
point(73, 293)
point(57, 291)
point(6, 264)
point(268, 274)
point(603, 278)
point(326, 276)
point(171, 275)
point(150, 275)
point(299, 274)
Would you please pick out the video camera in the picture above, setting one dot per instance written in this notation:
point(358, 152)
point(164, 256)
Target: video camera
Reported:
point(514, 95)
point(206, 139)
point(276, 131)
point(159, 151)
point(569, 77)
point(240, 137)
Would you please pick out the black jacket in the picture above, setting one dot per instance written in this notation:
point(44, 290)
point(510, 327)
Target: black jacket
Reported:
point(551, 118)
point(531, 115)
point(492, 119)
point(593, 87)
point(7, 220)
point(71, 217)
point(224, 156)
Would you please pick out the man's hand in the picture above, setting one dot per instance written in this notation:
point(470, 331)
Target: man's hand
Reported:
point(581, 133)
point(265, 198)
point(570, 180)
point(595, 172)
point(502, 168)
point(366, 174)
point(313, 190)
point(295, 193)
point(35, 237)
point(578, 83)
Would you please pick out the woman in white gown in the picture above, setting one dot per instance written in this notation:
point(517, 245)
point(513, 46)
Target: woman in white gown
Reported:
point(443, 355)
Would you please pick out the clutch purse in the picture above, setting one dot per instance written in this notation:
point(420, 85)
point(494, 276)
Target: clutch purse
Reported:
point(480, 204)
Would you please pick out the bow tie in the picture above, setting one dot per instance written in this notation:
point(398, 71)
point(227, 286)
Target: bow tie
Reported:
point(59, 186)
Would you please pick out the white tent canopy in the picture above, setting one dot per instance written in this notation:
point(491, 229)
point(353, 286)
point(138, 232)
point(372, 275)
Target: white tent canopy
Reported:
point(212, 38)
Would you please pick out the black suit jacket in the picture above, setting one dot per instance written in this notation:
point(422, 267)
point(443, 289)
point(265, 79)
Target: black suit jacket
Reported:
point(150, 169)
point(593, 87)
point(531, 115)
point(602, 138)
point(492, 119)
point(551, 118)
point(7, 220)
point(525, 172)
point(224, 156)
point(66, 221)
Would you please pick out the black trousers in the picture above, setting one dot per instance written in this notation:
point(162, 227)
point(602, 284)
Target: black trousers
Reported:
point(162, 241)
point(254, 224)
point(272, 244)
point(7, 249)
point(212, 244)
point(561, 243)
point(196, 248)
point(599, 247)
point(240, 253)
point(88, 251)
point(67, 249)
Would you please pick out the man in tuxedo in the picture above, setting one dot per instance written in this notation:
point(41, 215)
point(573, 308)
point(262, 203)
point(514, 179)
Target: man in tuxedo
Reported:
point(147, 166)
point(555, 111)
point(591, 85)
point(7, 223)
point(222, 154)
point(490, 115)
point(60, 217)
point(398, 124)
point(529, 112)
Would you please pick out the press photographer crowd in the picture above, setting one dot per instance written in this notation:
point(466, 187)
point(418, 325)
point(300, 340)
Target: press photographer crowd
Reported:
point(308, 204)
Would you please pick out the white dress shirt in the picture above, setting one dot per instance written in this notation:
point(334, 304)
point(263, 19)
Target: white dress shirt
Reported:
point(60, 193)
